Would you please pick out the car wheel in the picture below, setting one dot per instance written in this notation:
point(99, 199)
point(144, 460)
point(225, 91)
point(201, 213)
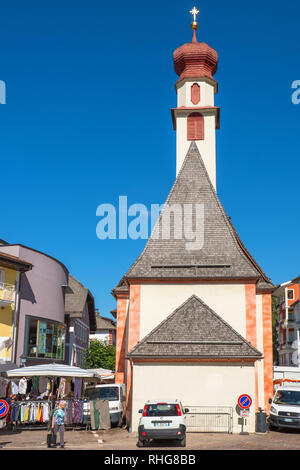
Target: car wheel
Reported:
point(140, 443)
point(183, 442)
point(272, 427)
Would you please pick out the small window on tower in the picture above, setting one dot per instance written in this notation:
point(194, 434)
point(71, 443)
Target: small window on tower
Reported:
point(195, 93)
point(195, 127)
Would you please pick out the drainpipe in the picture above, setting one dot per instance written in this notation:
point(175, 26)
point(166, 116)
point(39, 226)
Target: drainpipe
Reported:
point(16, 317)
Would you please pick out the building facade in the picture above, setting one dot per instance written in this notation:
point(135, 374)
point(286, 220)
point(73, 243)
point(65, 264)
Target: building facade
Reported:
point(80, 319)
point(105, 330)
point(40, 329)
point(194, 310)
point(11, 267)
point(288, 322)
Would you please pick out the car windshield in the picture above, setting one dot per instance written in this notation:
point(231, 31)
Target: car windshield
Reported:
point(287, 397)
point(162, 409)
point(104, 393)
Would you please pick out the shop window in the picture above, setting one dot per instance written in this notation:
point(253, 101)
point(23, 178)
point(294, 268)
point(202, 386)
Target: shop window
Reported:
point(290, 294)
point(45, 339)
point(195, 127)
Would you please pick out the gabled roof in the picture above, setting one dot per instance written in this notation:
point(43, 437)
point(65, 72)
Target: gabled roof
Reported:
point(222, 254)
point(194, 330)
point(76, 301)
point(104, 323)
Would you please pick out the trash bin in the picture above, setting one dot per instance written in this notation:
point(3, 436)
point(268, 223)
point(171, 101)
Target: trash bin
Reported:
point(261, 422)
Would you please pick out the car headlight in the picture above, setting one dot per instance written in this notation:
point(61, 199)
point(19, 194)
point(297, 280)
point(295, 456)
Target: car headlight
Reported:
point(273, 410)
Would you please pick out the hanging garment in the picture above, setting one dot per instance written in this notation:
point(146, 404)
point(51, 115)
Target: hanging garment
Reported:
point(78, 411)
point(29, 385)
point(92, 415)
point(3, 387)
point(68, 387)
point(104, 414)
point(22, 386)
point(14, 386)
point(61, 388)
point(43, 385)
point(77, 387)
point(35, 384)
point(69, 413)
point(45, 412)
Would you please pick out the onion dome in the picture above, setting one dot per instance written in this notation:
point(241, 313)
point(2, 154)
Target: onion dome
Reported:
point(195, 59)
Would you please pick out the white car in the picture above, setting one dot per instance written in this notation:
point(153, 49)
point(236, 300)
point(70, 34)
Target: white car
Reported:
point(285, 409)
point(162, 420)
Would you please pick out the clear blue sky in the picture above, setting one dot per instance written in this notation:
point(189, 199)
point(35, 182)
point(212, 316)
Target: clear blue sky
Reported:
point(89, 90)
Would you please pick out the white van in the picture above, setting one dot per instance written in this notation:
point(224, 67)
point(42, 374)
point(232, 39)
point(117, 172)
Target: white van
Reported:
point(115, 394)
point(285, 409)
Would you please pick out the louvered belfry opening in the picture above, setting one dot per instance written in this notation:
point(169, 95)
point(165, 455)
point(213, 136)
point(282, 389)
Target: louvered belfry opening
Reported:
point(195, 127)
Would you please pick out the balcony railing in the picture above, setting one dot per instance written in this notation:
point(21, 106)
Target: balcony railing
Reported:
point(7, 292)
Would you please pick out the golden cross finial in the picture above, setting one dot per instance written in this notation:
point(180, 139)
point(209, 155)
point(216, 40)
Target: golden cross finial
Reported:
point(194, 12)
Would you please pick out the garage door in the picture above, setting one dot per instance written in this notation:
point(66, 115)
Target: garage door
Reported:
point(209, 419)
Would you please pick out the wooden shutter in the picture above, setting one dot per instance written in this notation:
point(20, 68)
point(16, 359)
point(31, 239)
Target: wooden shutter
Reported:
point(195, 127)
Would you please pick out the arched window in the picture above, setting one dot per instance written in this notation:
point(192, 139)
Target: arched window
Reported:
point(195, 127)
point(195, 93)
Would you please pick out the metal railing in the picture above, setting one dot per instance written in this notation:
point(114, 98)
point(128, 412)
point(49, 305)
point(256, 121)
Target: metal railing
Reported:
point(209, 419)
point(7, 292)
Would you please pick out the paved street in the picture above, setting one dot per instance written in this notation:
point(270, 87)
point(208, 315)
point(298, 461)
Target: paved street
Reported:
point(120, 439)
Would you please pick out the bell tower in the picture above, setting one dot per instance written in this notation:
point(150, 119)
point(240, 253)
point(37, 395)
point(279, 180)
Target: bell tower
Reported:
point(196, 118)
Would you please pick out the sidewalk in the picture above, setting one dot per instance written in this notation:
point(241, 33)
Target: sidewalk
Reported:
point(120, 439)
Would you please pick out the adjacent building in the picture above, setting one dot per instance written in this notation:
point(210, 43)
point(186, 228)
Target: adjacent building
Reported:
point(80, 319)
point(45, 314)
point(105, 330)
point(39, 324)
point(11, 268)
point(194, 317)
point(288, 322)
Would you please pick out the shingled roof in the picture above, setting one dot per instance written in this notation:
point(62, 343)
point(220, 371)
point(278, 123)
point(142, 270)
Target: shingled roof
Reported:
point(76, 301)
point(222, 254)
point(194, 330)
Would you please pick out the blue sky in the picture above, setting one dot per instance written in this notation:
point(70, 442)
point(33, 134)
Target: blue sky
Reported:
point(89, 91)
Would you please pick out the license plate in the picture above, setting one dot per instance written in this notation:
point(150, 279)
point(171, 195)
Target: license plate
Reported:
point(161, 425)
point(288, 420)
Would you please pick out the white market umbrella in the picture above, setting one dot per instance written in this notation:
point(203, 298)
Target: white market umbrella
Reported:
point(52, 370)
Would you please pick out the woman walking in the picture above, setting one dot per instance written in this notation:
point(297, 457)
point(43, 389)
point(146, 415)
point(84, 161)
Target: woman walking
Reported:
point(58, 422)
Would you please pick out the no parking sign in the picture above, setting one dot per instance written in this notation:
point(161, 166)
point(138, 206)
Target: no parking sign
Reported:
point(244, 401)
point(3, 408)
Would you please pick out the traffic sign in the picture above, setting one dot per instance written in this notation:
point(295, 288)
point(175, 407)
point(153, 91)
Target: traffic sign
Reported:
point(244, 401)
point(244, 413)
point(3, 408)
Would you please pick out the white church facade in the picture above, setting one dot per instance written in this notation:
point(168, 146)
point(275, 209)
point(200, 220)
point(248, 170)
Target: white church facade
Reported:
point(195, 324)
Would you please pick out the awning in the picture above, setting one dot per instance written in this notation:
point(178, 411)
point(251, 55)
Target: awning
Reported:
point(52, 370)
point(105, 374)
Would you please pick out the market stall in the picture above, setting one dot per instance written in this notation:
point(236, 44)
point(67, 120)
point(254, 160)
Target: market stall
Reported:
point(33, 392)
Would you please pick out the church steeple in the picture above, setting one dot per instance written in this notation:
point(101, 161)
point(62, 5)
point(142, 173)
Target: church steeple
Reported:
point(196, 117)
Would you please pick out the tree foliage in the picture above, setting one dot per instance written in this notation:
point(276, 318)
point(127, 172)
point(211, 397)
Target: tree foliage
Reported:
point(100, 354)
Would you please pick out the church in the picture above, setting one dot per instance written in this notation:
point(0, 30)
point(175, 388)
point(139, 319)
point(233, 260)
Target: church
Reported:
point(194, 320)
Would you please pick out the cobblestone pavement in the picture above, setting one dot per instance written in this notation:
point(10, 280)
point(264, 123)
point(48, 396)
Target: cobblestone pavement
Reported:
point(120, 439)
